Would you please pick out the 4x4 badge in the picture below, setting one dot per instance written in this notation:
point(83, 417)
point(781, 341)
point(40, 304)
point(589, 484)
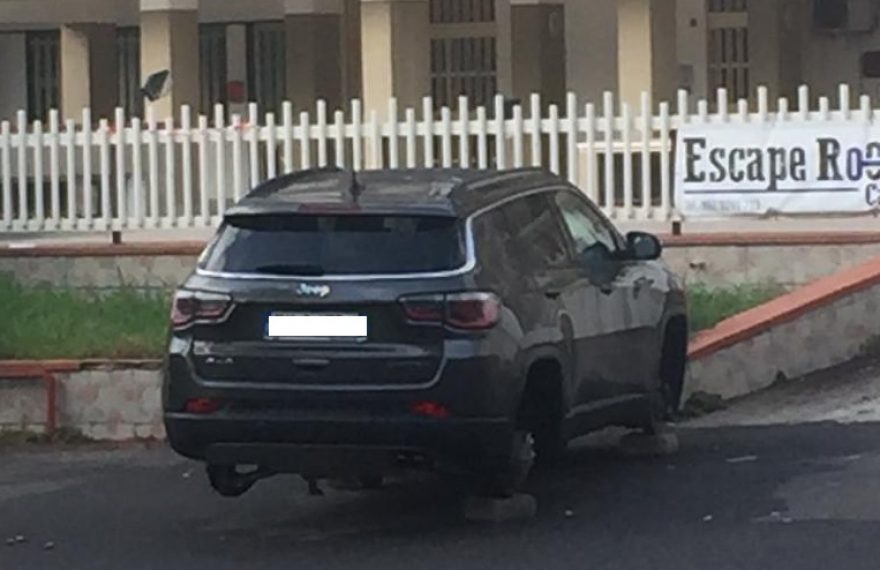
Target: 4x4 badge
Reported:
point(307, 290)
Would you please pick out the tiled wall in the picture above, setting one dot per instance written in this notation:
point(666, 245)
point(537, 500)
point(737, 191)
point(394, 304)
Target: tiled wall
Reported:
point(101, 272)
point(104, 403)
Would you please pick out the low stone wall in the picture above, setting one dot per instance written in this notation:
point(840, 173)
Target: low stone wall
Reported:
point(144, 265)
point(119, 401)
point(786, 265)
point(787, 259)
point(143, 272)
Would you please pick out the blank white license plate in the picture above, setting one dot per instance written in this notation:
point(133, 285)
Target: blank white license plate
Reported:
point(317, 326)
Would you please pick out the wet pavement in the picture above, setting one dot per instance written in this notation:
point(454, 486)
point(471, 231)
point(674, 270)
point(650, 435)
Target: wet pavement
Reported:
point(782, 497)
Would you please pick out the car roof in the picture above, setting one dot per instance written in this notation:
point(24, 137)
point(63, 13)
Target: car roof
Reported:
point(435, 191)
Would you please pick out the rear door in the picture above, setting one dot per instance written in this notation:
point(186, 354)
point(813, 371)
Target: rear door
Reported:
point(531, 264)
point(523, 257)
point(306, 272)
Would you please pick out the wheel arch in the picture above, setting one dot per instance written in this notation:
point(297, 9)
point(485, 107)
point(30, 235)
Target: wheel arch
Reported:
point(673, 354)
point(546, 372)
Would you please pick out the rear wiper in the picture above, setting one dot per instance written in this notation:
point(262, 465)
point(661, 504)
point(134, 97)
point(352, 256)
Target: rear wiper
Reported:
point(287, 269)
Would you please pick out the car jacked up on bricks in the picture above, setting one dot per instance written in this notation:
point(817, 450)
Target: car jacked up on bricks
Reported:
point(343, 325)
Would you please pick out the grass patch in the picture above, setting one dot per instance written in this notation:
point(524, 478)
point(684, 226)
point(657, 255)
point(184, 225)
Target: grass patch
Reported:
point(52, 322)
point(63, 435)
point(708, 306)
point(701, 404)
point(45, 322)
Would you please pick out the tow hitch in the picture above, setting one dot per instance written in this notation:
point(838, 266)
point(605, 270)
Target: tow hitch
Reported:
point(232, 481)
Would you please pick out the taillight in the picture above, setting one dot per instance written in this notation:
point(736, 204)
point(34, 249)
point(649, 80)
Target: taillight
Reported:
point(430, 410)
point(202, 405)
point(472, 311)
point(198, 306)
point(424, 308)
point(467, 311)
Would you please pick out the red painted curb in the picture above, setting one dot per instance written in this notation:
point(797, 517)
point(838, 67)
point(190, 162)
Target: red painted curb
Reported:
point(770, 239)
point(141, 249)
point(9, 368)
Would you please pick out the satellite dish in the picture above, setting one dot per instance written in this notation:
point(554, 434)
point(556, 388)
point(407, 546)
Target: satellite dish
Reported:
point(158, 85)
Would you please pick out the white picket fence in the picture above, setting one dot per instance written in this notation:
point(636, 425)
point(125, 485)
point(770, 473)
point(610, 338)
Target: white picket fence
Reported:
point(132, 174)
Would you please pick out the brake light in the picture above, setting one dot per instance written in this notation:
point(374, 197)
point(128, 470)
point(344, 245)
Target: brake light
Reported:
point(430, 410)
point(198, 306)
point(467, 311)
point(472, 311)
point(202, 405)
point(424, 309)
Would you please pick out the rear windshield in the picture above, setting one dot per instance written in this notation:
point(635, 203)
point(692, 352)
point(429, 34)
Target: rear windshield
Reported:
point(336, 245)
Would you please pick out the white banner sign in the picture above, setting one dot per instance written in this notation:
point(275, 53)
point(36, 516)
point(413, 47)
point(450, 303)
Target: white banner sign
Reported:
point(777, 168)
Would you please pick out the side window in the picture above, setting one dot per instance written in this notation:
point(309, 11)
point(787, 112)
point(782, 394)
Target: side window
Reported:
point(499, 264)
point(538, 240)
point(584, 225)
point(492, 238)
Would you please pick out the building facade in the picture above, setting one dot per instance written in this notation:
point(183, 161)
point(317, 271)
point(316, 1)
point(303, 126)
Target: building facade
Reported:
point(97, 53)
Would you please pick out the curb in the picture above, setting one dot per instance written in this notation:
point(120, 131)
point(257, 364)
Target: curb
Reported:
point(784, 309)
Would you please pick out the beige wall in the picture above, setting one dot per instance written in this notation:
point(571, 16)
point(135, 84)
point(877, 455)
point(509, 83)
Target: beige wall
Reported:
point(163, 34)
point(693, 57)
point(775, 53)
point(88, 70)
point(646, 50)
point(591, 40)
point(395, 53)
point(785, 50)
point(539, 52)
point(788, 52)
point(351, 50)
point(13, 88)
point(314, 61)
point(832, 59)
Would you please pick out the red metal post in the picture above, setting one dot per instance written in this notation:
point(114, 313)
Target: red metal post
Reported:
point(51, 408)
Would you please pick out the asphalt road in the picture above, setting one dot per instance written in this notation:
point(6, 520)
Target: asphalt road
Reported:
point(788, 497)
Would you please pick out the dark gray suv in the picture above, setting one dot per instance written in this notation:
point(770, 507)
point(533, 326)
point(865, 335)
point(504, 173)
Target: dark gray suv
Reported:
point(344, 324)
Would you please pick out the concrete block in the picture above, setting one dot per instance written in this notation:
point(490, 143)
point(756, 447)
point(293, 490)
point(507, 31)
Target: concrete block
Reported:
point(157, 430)
point(143, 431)
point(123, 432)
point(97, 431)
point(492, 510)
point(643, 445)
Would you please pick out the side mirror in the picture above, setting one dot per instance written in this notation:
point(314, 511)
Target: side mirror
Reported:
point(643, 246)
point(158, 85)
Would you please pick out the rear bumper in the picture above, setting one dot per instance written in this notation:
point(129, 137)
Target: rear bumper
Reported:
point(327, 446)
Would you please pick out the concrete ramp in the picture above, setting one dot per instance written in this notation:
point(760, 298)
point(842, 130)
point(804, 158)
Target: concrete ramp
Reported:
point(826, 323)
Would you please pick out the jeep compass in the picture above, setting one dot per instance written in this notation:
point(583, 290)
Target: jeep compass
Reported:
point(346, 324)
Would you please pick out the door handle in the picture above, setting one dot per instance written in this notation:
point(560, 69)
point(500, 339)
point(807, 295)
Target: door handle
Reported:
point(606, 289)
point(552, 294)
